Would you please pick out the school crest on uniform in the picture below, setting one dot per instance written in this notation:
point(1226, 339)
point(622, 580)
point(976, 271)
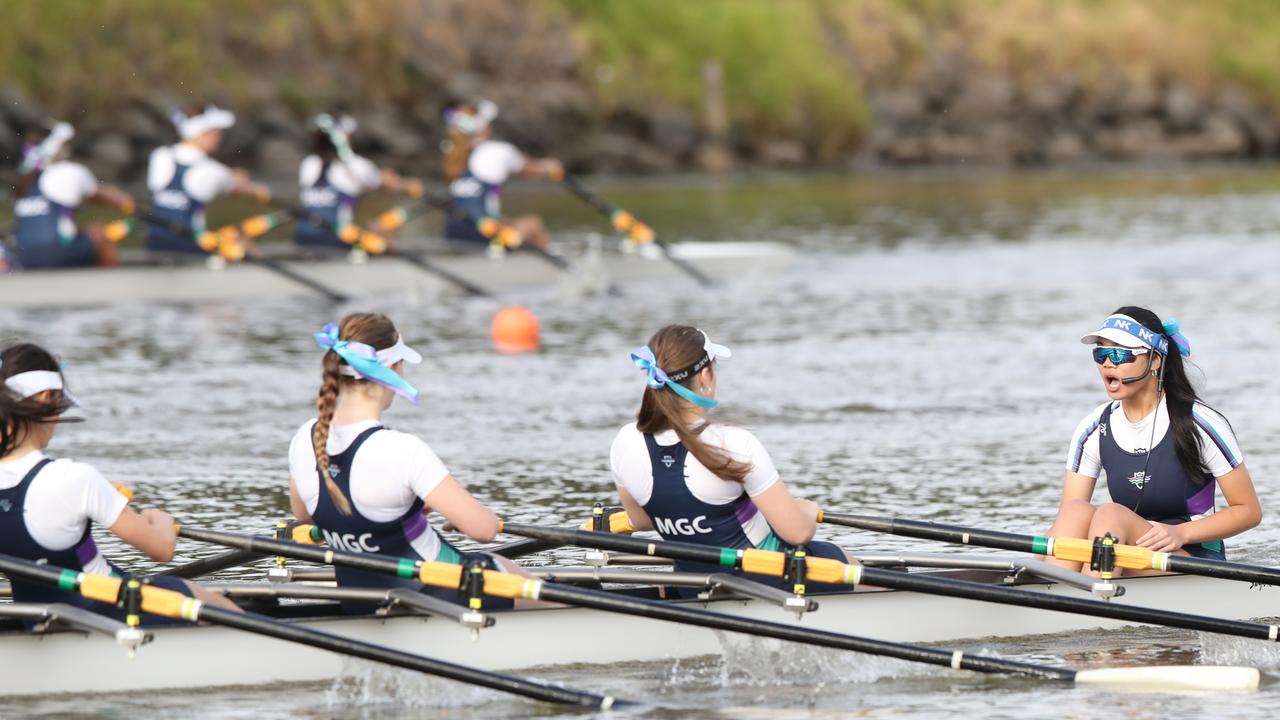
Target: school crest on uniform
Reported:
point(5, 506)
point(1139, 478)
point(668, 460)
point(1102, 428)
point(334, 470)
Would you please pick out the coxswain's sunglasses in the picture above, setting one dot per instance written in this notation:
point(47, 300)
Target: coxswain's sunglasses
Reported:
point(1118, 355)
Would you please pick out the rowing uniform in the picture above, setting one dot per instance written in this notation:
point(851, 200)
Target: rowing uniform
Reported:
point(384, 475)
point(1105, 441)
point(47, 510)
point(477, 193)
point(330, 189)
point(183, 180)
point(688, 503)
point(47, 233)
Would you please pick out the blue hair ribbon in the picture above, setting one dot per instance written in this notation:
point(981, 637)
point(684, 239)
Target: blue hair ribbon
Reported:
point(657, 379)
point(363, 359)
point(1173, 329)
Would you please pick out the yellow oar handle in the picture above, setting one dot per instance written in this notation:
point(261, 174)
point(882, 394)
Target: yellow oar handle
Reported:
point(619, 524)
point(155, 600)
point(1127, 556)
point(306, 535)
point(117, 230)
point(124, 490)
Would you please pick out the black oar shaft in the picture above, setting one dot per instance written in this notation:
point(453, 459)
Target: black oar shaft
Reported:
point(916, 582)
point(453, 278)
point(703, 618)
point(206, 566)
point(1039, 545)
point(313, 638)
point(282, 270)
point(935, 531)
point(260, 625)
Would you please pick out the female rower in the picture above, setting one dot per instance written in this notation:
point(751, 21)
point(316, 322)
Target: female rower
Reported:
point(333, 178)
point(49, 190)
point(1164, 451)
point(477, 166)
point(368, 488)
point(697, 481)
point(183, 180)
point(48, 506)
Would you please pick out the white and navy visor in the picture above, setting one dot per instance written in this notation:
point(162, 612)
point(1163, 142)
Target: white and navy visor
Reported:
point(34, 382)
point(1127, 332)
point(710, 351)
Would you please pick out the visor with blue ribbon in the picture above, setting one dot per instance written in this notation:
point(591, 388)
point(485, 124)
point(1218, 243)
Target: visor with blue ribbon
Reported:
point(1127, 332)
point(657, 378)
point(365, 362)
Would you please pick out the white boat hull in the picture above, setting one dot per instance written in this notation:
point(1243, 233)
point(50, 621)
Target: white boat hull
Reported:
point(193, 283)
point(184, 657)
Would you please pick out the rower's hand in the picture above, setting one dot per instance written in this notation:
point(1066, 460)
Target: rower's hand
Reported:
point(161, 521)
point(553, 169)
point(414, 188)
point(261, 193)
point(128, 205)
point(808, 507)
point(1163, 538)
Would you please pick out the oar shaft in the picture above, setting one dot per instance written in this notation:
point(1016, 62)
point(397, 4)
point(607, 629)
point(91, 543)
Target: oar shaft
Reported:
point(938, 531)
point(377, 653)
point(206, 566)
point(282, 270)
point(451, 277)
point(772, 563)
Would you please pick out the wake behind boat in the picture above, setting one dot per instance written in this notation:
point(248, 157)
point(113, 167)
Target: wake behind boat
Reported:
point(193, 282)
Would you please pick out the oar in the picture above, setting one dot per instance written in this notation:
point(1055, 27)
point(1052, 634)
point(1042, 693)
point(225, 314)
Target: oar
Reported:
point(823, 570)
point(499, 233)
point(1073, 549)
point(509, 585)
point(167, 603)
point(222, 242)
point(628, 225)
point(209, 565)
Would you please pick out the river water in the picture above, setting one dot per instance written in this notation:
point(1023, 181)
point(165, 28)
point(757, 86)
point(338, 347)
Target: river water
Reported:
point(920, 359)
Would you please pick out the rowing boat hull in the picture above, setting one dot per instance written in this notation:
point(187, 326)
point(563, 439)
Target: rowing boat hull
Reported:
point(197, 283)
point(183, 657)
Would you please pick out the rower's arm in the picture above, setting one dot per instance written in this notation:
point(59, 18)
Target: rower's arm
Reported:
point(152, 531)
point(640, 519)
point(792, 519)
point(462, 510)
point(244, 186)
point(1243, 510)
point(112, 195)
point(296, 504)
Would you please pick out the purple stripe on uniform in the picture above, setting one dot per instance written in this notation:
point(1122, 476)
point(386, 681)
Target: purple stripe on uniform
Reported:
point(1202, 502)
point(1217, 440)
point(414, 526)
point(745, 510)
point(1075, 464)
point(86, 552)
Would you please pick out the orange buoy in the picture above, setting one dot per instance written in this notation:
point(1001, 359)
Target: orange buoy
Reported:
point(514, 330)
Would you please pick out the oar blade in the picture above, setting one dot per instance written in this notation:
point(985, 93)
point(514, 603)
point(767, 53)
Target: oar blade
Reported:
point(1161, 678)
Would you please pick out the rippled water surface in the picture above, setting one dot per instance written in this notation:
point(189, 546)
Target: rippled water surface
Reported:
point(920, 359)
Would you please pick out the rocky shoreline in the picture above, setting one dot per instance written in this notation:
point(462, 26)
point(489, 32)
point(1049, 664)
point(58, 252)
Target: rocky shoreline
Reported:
point(954, 111)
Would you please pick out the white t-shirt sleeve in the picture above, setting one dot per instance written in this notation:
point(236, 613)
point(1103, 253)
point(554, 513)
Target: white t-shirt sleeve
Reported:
point(365, 173)
point(1219, 448)
point(494, 162)
point(207, 179)
point(1084, 455)
point(66, 495)
point(743, 446)
point(302, 466)
point(160, 168)
point(68, 183)
point(629, 462)
point(424, 469)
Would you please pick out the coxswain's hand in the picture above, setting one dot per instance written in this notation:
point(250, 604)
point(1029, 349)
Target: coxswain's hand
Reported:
point(1163, 538)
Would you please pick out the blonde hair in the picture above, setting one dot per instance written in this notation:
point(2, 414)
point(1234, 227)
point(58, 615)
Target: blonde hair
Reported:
point(372, 329)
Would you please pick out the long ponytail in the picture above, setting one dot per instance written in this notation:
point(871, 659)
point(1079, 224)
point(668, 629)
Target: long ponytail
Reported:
point(1180, 398)
point(457, 150)
point(679, 346)
point(373, 329)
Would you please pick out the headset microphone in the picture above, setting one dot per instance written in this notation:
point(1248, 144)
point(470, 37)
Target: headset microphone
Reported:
point(1143, 376)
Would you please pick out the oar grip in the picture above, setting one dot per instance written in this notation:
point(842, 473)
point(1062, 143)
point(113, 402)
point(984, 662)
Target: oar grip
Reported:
point(443, 575)
point(102, 588)
point(167, 603)
point(763, 562)
point(509, 585)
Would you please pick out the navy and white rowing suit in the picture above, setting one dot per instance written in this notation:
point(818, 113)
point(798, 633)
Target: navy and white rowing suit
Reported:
point(47, 235)
point(477, 192)
point(329, 192)
point(173, 205)
point(395, 538)
point(666, 491)
point(1107, 441)
point(16, 539)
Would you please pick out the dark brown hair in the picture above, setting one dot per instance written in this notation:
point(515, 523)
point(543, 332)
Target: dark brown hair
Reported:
point(457, 145)
point(372, 329)
point(18, 415)
point(677, 347)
